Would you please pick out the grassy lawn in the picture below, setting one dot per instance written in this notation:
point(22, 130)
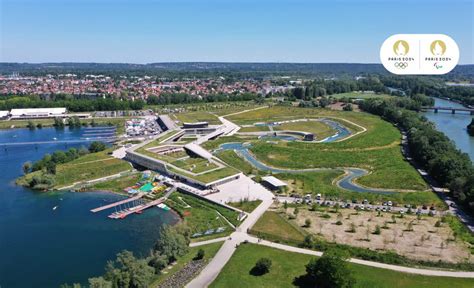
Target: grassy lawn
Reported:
point(233, 160)
point(247, 206)
point(198, 116)
point(357, 95)
point(287, 266)
point(119, 122)
point(201, 215)
point(208, 176)
point(319, 129)
point(194, 164)
point(117, 185)
point(260, 128)
point(377, 149)
point(89, 167)
point(209, 251)
point(271, 223)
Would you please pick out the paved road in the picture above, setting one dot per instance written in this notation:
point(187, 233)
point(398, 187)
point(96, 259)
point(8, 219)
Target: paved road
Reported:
point(211, 271)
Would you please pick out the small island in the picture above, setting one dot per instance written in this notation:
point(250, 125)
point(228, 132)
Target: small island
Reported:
point(470, 128)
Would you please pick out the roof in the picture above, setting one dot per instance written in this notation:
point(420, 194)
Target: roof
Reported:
point(4, 113)
point(274, 181)
point(166, 120)
point(36, 111)
point(198, 150)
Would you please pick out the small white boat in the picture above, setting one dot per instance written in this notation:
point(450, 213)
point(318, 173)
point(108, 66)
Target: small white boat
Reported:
point(55, 138)
point(55, 207)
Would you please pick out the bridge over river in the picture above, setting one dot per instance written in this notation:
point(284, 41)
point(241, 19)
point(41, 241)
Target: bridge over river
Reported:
point(452, 109)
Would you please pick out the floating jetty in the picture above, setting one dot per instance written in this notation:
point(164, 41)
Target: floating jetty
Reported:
point(122, 202)
point(135, 209)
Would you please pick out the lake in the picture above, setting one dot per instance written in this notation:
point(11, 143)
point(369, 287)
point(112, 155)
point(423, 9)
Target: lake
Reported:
point(454, 126)
point(42, 247)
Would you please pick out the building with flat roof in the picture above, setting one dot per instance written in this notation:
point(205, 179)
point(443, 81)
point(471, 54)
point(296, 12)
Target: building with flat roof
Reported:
point(35, 113)
point(4, 114)
point(273, 183)
point(187, 125)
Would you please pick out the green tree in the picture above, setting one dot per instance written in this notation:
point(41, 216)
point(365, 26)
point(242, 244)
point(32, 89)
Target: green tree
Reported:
point(262, 266)
point(97, 146)
point(307, 223)
point(171, 243)
point(470, 128)
point(330, 271)
point(31, 125)
point(99, 282)
point(27, 167)
point(348, 107)
point(128, 272)
point(158, 261)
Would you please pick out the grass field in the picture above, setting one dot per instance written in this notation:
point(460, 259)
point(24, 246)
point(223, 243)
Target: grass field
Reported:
point(259, 128)
point(201, 215)
point(357, 95)
point(117, 185)
point(377, 149)
point(197, 116)
point(119, 122)
point(208, 176)
point(233, 160)
point(209, 251)
point(283, 272)
point(89, 167)
point(319, 129)
point(272, 223)
point(247, 206)
point(194, 164)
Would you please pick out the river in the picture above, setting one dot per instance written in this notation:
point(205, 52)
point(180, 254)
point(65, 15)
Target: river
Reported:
point(454, 126)
point(42, 247)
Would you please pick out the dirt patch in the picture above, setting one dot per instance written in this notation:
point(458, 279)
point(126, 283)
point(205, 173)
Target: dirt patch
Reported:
point(409, 236)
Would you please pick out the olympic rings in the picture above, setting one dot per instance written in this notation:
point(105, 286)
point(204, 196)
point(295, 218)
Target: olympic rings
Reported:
point(401, 65)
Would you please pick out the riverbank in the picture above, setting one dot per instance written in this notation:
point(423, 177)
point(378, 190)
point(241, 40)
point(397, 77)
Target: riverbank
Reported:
point(33, 228)
point(454, 126)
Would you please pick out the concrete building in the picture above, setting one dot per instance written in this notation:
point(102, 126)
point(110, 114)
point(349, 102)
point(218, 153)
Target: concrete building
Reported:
point(37, 113)
point(273, 183)
point(4, 115)
point(166, 123)
point(195, 125)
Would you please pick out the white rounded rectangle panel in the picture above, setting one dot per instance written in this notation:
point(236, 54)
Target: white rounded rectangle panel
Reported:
point(419, 54)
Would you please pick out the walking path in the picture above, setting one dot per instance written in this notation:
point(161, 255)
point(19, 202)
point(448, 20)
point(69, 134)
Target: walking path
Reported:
point(231, 243)
point(210, 272)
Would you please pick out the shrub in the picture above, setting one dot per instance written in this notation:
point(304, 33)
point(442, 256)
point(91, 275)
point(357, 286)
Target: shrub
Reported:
point(200, 255)
point(262, 266)
point(377, 230)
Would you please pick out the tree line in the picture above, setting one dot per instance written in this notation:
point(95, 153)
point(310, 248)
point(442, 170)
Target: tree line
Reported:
point(431, 149)
point(431, 87)
point(185, 98)
point(323, 87)
point(73, 105)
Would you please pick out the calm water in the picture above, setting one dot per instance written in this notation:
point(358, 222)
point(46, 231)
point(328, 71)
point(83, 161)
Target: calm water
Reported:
point(454, 126)
point(42, 247)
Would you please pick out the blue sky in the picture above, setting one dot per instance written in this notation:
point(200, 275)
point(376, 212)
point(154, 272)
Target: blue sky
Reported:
point(139, 31)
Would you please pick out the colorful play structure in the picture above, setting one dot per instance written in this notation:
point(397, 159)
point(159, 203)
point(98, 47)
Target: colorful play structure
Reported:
point(146, 185)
